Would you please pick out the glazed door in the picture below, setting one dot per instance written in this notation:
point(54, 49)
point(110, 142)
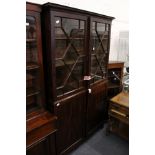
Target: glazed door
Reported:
point(99, 54)
point(100, 43)
point(69, 46)
point(41, 148)
point(34, 69)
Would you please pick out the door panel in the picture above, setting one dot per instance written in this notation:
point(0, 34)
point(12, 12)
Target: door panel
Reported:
point(96, 106)
point(70, 113)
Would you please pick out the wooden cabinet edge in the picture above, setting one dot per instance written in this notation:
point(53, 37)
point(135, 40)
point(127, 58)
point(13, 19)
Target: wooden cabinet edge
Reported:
point(33, 7)
point(41, 128)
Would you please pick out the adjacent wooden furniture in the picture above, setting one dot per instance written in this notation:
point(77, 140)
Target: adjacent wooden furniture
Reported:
point(115, 75)
point(40, 124)
point(119, 115)
point(66, 83)
point(35, 97)
point(40, 135)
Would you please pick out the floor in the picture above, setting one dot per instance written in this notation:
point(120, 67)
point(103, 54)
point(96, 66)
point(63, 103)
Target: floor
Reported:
point(100, 144)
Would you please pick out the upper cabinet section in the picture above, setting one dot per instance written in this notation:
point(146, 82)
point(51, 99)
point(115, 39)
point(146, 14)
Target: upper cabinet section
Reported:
point(76, 44)
point(34, 77)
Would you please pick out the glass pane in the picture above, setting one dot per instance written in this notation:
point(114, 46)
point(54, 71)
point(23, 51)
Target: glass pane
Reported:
point(93, 25)
point(59, 33)
point(82, 24)
point(30, 27)
point(105, 44)
point(71, 84)
point(107, 27)
point(99, 51)
point(31, 42)
point(70, 57)
point(61, 73)
point(33, 90)
point(96, 44)
point(78, 71)
point(100, 27)
point(31, 52)
point(98, 75)
point(69, 39)
point(69, 25)
point(94, 65)
point(79, 45)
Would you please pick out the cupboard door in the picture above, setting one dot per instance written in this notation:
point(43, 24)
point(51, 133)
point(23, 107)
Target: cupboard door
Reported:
point(34, 69)
point(70, 113)
point(96, 106)
point(100, 40)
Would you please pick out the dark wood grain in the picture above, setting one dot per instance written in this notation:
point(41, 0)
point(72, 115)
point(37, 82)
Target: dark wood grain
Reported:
point(71, 123)
point(40, 127)
point(33, 7)
point(96, 106)
point(40, 148)
point(75, 10)
point(45, 146)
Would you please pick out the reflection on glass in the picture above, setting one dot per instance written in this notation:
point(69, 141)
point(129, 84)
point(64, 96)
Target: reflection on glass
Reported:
point(57, 21)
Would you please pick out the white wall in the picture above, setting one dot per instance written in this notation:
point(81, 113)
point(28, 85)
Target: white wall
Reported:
point(115, 8)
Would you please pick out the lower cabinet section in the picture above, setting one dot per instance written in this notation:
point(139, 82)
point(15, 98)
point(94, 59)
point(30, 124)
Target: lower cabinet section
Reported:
point(77, 116)
point(40, 134)
point(71, 116)
point(97, 101)
point(44, 147)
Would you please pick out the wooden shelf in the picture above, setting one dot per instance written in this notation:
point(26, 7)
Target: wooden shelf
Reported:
point(61, 51)
point(29, 77)
point(70, 38)
point(33, 94)
point(30, 40)
point(113, 85)
point(96, 38)
point(30, 66)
